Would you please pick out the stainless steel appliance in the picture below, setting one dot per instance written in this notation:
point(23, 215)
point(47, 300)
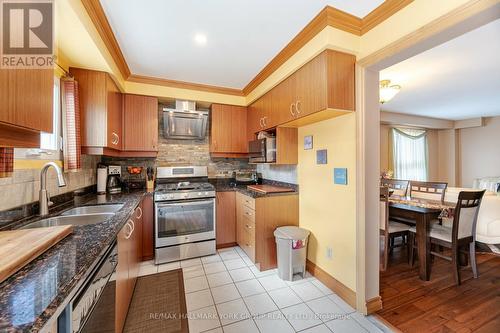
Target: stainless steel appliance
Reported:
point(245, 177)
point(114, 183)
point(92, 310)
point(185, 213)
point(262, 150)
point(184, 122)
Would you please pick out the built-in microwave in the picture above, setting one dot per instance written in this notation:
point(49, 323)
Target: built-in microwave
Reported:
point(262, 150)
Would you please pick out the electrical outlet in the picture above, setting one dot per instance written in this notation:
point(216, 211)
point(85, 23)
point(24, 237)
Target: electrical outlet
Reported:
point(329, 253)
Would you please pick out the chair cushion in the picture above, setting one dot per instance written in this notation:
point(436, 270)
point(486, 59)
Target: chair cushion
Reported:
point(440, 232)
point(397, 227)
point(437, 231)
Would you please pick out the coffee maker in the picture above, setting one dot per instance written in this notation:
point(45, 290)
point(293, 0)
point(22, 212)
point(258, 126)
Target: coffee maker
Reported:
point(114, 183)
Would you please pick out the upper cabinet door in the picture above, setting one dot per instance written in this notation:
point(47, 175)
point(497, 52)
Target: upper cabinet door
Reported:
point(311, 82)
point(26, 98)
point(229, 128)
point(140, 123)
point(239, 143)
point(254, 118)
point(93, 106)
point(221, 131)
point(114, 116)
point(341, 80)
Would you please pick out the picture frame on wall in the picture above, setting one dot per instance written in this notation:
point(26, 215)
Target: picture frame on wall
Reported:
point(340, 176)
point(308, 142)
point(321, 156)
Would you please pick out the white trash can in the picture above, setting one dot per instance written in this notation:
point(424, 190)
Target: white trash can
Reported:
point(291, 246)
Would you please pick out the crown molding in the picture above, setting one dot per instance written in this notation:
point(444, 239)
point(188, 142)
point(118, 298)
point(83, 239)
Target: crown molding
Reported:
point(382, 13)
point(184, 85)
point(329, 16)
point(335, 18)
point(98, 17)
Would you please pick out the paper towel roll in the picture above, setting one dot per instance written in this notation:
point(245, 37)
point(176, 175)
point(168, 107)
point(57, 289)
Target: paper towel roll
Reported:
point(102, 175)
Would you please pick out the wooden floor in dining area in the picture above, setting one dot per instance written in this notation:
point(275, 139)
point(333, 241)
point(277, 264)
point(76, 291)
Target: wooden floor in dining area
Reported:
point(438, 305)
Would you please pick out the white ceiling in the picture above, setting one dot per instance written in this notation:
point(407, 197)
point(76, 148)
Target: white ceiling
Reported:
point(456, 80)
point(157, 36)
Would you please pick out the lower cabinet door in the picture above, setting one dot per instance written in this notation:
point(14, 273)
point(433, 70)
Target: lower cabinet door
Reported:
point(147, 227)
point(123, 291)
point(226, 218)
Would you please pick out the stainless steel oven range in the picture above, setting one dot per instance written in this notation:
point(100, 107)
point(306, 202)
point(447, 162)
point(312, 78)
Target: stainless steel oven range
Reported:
point(184, 213)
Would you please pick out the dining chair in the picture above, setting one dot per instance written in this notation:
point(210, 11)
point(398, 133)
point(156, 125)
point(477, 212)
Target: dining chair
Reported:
point(461, 234)
point(428, 190)
point(400, 187)
point(390, 229)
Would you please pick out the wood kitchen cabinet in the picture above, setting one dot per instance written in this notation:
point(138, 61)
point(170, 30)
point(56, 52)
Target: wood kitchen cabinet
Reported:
point(100, 110)
point(257, 218)
point(112, 123)
point(26, 106)
point(148, 227)
point(226, 219)
point(129, 243)
point(321, 89)
point(140, 123)
point(123, 290)
point(228, 134)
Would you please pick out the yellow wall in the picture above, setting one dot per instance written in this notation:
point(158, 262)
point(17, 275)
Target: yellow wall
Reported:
point(326, 209)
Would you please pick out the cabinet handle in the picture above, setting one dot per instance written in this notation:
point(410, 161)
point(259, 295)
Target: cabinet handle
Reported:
point(265, 121)
point(297, 104)
point(140, 211)
point(291, 109)
point(247, 213)
point(116, 138)
point(261, 122)
point(131, 229)
point(248, 227)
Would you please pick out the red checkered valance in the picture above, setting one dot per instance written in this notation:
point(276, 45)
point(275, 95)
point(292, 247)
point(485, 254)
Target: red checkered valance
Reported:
point(6, 162)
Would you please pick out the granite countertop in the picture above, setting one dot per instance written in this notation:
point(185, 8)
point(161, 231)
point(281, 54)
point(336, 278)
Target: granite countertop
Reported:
point(40, 290)
point(228, 184)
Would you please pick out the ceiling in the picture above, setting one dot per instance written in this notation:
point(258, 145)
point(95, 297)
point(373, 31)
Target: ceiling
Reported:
point(456, 80)
point(242, 36)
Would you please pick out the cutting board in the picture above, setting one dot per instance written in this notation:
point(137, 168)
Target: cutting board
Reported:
point(19, 247)
point(266, 189)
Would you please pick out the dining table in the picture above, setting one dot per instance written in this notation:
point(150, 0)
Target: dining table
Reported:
point(422, 212)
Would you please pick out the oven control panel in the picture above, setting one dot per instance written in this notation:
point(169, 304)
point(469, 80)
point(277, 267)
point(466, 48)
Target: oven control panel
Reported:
point(165, 196)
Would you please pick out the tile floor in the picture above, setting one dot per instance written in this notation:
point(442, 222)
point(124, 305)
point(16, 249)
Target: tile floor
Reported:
point(225, 292)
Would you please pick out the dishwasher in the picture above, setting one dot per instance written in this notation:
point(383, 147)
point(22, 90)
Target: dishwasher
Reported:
point(92, 310)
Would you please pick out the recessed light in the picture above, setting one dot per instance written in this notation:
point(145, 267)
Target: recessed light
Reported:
point(200, 39)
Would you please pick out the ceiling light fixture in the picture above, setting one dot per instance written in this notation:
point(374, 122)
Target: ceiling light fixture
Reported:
point(387, 92)
point(200, 39)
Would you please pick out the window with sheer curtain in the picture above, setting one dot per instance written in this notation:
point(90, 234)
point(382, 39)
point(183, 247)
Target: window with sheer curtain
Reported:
point(409, 154)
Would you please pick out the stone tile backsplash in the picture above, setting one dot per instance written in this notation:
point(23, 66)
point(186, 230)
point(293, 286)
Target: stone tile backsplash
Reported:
point(183, 153)
point(281, 173)
point(22, 188)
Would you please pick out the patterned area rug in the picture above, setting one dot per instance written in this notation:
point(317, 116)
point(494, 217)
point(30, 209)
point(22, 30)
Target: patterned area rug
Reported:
point(158, 304)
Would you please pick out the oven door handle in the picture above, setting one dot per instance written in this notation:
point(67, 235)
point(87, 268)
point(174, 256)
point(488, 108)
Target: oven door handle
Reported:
point(186, 203)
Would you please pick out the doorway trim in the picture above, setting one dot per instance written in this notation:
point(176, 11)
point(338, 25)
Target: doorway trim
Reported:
point(465, 18)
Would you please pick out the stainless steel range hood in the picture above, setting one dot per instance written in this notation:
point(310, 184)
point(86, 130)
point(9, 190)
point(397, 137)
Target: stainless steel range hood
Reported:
point(184, 122)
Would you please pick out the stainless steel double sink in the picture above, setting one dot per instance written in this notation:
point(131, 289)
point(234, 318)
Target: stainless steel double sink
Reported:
point(84, 215)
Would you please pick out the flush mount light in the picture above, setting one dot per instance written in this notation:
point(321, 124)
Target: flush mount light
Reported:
point(200, 39)
point(387, 92)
